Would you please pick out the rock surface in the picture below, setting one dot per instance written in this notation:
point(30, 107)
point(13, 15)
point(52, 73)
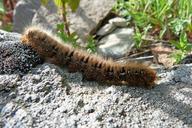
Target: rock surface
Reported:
point(47, 18)
point(116, 44)
point(89, 15)
point(118, 22)
point(106, 29)
point(111, 26)
point(23, 14)
point(15, 57)
point(51, 97)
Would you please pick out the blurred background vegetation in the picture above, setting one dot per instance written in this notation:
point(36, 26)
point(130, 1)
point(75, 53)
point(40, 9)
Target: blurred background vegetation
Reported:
point(153, 20)
point(6, 14)
point(163, 20)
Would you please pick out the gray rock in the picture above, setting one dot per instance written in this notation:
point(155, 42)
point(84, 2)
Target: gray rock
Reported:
point(16, 57)
point(183, 74)
point(47, 17)
point(9, 107)
point(89, 15)
point(8, 82)
point(111, 26)
point(17, 117)
point(116, 44)
point(23, 14)
point(118, 22)
point(106, 29)
point(86, 104)
point(7, 36)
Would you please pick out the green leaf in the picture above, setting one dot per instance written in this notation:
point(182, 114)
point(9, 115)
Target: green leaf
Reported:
point(162, 32)
point(73, 4)
point(141, 19)
point(8, 27)
point(72, 38)
point(60, 27)
point(60, 3)
point(91, 46)
point(138, 38)
point(44, 2)
point(178, 56)
point(2, 10)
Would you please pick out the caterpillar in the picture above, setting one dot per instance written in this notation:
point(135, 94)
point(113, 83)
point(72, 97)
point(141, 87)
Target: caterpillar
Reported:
point(92, 67)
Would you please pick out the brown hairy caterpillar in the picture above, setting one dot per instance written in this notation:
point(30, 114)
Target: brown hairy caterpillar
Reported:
point(93, 68)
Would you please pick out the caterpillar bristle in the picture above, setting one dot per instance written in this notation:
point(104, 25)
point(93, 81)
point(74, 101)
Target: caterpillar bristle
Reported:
point(93, 67)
